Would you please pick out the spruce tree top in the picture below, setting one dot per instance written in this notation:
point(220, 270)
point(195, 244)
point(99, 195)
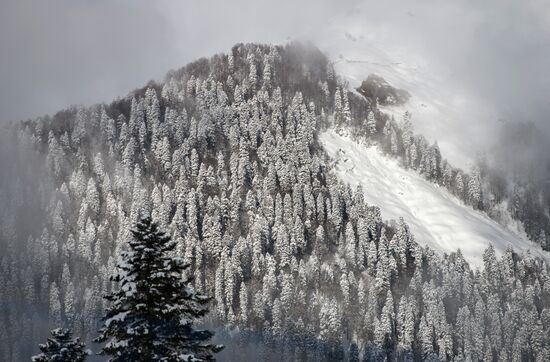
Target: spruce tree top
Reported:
point(61, 348)
point(152, 313)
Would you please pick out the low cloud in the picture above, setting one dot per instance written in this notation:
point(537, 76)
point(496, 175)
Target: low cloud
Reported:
point(62, 52)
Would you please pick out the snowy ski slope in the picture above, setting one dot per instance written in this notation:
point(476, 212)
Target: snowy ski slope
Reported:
point(436, 218)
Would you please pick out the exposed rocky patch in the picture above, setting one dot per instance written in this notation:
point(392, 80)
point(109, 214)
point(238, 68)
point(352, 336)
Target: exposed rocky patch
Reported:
point(377, 89)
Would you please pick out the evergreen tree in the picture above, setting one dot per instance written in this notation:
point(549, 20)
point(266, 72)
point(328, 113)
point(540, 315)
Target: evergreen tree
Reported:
point(62, 348)
point(152, 313)
point(371, 124)
point(474, 187)
point(353, 353)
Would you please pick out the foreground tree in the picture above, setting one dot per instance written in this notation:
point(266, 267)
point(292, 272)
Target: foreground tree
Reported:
point(62, 348)
point(152, 313)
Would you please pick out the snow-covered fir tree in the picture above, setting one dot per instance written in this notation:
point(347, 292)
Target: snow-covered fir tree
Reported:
point(153, 310)
point(61, 347)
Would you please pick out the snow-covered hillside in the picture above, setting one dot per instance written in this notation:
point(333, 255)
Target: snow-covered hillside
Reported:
point(436, 218)
point(442, 109)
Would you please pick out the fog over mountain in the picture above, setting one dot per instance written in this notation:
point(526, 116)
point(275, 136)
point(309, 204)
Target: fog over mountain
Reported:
point(497, 50)
point(491, 56)
point(64, 52)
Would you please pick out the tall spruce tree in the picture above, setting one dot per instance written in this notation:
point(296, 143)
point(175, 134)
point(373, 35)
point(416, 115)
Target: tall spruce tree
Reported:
point(61, 348)
point(152, 313)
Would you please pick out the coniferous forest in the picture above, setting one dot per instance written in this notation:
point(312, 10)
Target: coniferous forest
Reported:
point(213, 183)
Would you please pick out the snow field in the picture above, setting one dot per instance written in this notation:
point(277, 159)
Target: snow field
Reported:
point(437, 218)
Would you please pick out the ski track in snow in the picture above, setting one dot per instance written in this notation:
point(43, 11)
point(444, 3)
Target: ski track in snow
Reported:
point(436, 218)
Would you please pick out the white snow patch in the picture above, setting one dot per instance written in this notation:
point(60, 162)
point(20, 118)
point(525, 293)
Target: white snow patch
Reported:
point(437, 218)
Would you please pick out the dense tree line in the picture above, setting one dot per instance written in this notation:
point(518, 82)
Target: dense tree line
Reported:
point(225, 153)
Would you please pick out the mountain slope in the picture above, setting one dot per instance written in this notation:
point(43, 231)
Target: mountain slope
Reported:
point(440, 106)
point(226, 155)
point(464, 124)
point(437, 218)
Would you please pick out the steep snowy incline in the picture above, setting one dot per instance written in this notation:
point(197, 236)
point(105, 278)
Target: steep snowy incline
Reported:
point(441, 108)
point(436, 218)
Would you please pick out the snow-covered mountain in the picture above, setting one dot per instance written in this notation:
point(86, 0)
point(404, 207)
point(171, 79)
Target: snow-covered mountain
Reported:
point(442, 109)
point(437, 218)
point(231, 155)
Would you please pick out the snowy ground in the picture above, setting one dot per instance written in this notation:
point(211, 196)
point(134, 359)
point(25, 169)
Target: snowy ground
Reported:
point(436, 218)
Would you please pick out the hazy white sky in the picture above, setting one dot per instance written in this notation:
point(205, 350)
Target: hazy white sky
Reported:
point(60, 52)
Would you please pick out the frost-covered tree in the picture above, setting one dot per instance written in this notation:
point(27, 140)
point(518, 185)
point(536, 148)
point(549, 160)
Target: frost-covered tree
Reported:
point(152, 312)
point(474, 187)
point(61, 347)
point(371, 124)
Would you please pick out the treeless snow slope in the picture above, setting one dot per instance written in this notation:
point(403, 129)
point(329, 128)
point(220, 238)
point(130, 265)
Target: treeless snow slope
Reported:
point(436, 218)
point(441, 108)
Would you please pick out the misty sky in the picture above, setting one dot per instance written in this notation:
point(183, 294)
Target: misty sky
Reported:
point(60, 52)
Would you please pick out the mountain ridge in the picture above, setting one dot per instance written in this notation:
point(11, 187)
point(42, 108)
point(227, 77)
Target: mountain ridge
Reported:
point(226, 155)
